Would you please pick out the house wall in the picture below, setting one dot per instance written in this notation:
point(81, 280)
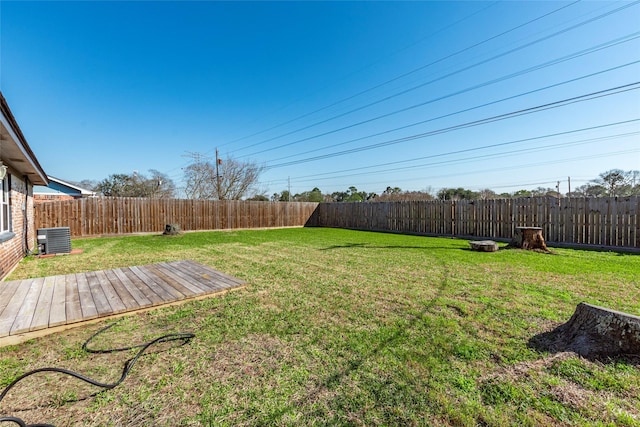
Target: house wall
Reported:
point(55, 191)
point(14, 245)
point(43, 198)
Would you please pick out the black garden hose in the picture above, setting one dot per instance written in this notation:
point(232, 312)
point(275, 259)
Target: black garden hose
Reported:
point(182, 336)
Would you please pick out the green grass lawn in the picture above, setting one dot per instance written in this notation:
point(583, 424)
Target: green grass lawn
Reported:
point(339, 327)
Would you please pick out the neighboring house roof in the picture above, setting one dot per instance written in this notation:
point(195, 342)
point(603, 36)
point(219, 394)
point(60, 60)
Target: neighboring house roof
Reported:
point(58, 186)
point(14, 150)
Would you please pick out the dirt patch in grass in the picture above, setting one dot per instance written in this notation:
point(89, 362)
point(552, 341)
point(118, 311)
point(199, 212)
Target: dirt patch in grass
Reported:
point(583, 386)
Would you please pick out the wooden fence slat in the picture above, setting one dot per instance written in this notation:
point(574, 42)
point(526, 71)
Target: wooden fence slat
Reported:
point(593, 221)
point(605, 222)
point(113, 216)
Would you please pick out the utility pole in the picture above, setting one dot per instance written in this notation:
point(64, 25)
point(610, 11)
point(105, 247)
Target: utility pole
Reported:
point(569, 183)
point(289, 188)
point(558, 188)
point(218, 163)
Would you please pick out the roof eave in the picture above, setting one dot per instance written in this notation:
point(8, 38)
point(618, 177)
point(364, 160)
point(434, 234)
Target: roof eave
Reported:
point(19, 147)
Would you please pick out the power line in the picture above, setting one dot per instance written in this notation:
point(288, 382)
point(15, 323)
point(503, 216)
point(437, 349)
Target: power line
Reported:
point(519, 166)
point(471, 158)
point(415, 70)
point(464, 110)
point(484, 147)
point(550, 162)
point(529, 184)
point(504, 116)
point(615, 42)
point(588, 21)
point(352, 73)
point(368, 66)
point(576, 54)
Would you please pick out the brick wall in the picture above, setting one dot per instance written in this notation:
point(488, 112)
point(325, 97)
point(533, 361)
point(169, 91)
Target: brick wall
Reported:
point(43, 198)
point(13, 249)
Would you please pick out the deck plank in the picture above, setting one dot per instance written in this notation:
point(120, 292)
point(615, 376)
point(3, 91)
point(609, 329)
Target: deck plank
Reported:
point(117, 306)
point(123, 293)
point(214, 283)
point(175, 281)
point(142, 286)
point(188, 272)
point(72, 306)
point(41, 315)
point(7, 289)
point(215, 276)
point(23, 318)
point(219, 274)
point(164, 290)
point(10, 312)
point(140, 298)
point(99, 297)
point(87, 305)
point(33, 306)
point(202, 276)
point(57, 314)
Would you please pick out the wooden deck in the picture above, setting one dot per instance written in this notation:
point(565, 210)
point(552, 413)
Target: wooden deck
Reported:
point(33, 305)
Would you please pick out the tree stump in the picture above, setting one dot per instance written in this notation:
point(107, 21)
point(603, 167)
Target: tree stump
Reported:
point(484, 245)
point(597, 332)
point(172, 230)
point(529, 238)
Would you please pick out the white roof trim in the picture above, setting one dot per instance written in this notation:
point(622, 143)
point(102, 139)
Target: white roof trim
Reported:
point(83, 191)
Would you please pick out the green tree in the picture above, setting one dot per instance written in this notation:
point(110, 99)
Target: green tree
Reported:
point(352, 195)
point(394, 194)
point(137, 185)
point(618, 182)
point(285, 196)
point(591, 190)
point(390, 190)
point(541, 191)
point(115, 185)
point(522, 193)
point(456, 194)
point(612, 183)
point(315, 195)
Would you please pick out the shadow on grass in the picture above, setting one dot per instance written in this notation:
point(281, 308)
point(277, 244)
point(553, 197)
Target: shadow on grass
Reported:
point(402, 329)
point(367, 246)
point(558, 341)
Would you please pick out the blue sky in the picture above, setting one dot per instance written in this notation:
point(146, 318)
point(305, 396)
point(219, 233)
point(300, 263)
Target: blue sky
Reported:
point(329, 94)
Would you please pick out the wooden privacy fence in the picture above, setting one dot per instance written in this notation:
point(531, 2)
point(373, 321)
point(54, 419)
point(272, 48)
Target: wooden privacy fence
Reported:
point(611, 222)
point(112, 216)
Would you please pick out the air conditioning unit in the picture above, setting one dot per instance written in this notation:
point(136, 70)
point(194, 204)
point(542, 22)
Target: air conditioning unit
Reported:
point(54, 240)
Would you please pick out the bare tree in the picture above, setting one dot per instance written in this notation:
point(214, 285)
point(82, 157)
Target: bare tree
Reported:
point(487, 194)
point(199, 176)
point(160, 185)
point(235, 180)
